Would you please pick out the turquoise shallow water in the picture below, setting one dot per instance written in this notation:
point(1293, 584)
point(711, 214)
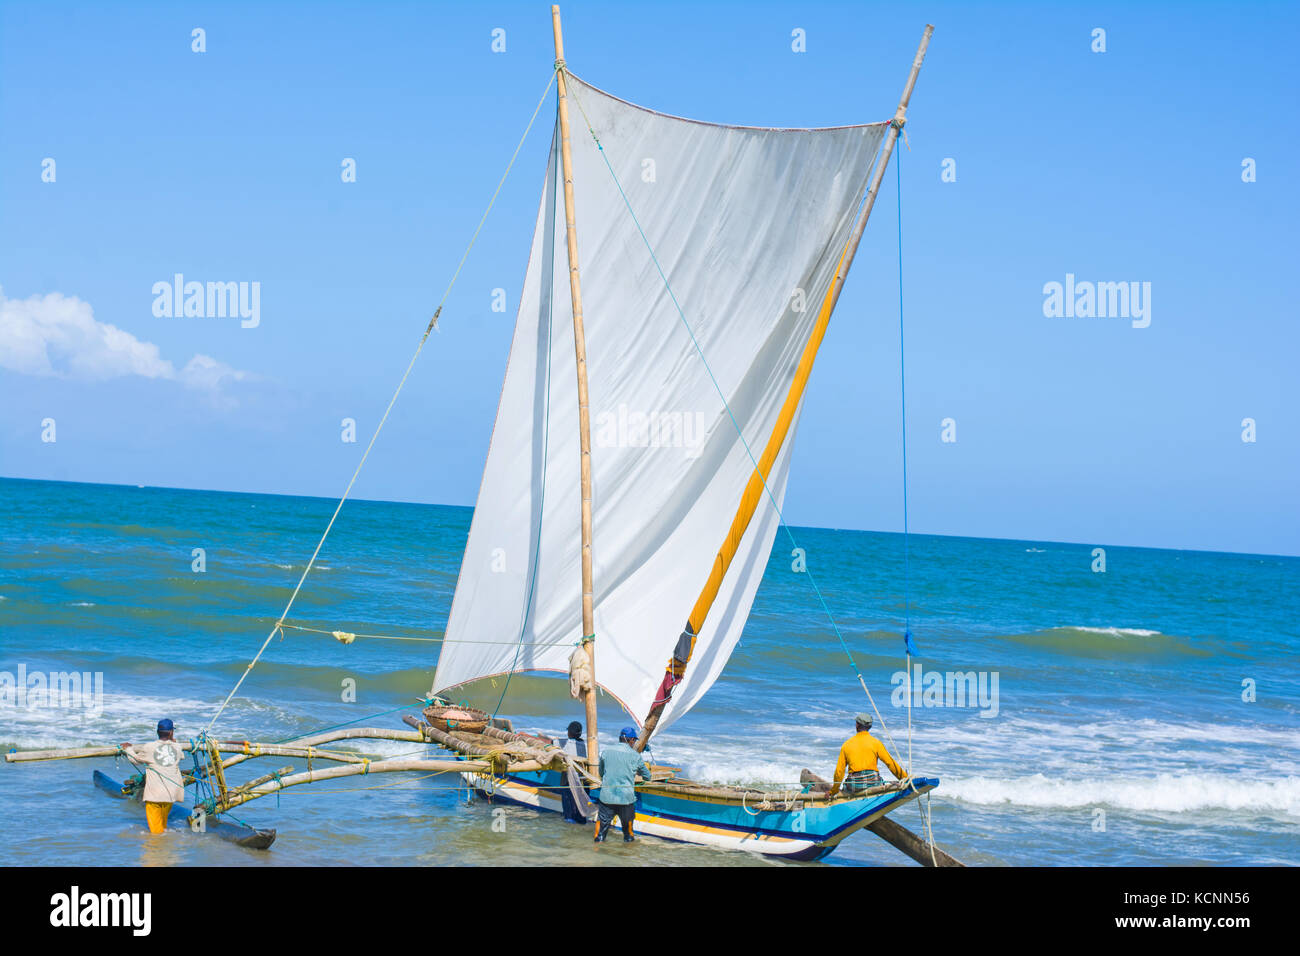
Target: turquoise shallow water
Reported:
point(1118, 734)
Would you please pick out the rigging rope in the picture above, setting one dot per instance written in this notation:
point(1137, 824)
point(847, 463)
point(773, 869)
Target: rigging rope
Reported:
point(781, 518)
point(908, 647)
point(425, 640)
point(411, 365)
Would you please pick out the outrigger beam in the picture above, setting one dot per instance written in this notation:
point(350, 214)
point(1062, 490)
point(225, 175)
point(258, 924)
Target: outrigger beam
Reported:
point(306, 748)
point(379, 766)
point(315, 740)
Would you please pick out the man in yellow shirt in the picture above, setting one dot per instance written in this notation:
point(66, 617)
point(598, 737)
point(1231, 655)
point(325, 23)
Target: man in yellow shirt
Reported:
point(859, 756)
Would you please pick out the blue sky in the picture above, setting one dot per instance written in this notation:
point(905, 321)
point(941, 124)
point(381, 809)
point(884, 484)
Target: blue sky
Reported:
point(1117, 166)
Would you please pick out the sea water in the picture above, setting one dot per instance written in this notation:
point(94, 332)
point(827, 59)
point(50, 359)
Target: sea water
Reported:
point(1141, 714)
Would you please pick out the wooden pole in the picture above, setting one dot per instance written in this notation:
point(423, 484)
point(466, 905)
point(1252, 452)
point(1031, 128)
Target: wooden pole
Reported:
point(901, 838)
point(294, 748)
point(895, 129)
point(755, 490)
point(584, 418)
point(21, 756)
point(345, 733)
point(235, 799)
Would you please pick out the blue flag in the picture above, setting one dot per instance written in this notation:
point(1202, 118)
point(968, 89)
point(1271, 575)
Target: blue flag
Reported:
point(911, 647)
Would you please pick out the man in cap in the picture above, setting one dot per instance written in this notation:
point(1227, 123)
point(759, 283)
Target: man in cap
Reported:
point(575, 747)
point(163, 781)
point(620, 765)
point(859, 756)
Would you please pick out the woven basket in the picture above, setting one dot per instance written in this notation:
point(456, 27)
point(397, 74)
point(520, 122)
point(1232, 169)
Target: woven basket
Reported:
point(467, 719)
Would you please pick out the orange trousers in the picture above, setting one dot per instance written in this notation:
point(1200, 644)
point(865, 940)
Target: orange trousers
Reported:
point(156, 814)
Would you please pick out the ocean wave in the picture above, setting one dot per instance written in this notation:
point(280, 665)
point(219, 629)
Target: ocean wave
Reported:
point(958, 750)
point(121, 717)
point(1092, 641)
point(1163, 793)
point(1029, 733)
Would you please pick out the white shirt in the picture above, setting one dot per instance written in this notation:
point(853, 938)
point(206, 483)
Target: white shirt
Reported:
point(577, 748)
point(161, 762)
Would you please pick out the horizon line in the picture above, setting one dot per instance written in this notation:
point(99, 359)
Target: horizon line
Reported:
point(437, 504)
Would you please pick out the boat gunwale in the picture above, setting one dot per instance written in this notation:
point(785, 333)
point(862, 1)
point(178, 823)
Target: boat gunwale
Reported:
point(820, 842)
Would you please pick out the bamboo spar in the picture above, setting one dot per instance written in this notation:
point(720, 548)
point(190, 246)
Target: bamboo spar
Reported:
point(756, 488)
point(584, 419)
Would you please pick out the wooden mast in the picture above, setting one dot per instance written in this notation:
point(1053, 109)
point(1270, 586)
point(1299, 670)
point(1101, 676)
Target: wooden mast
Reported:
point(755, 490)
point(584, 416)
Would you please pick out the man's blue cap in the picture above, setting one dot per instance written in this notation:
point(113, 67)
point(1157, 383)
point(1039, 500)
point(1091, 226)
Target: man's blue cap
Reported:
point(165, 726)
point(629, 732)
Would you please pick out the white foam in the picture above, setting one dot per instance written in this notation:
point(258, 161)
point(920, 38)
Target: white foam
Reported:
point(123, 717)
point(1068, 752)
point(127, 717)
point(1031, 732)
point(1112, 631)
point(1163, 793)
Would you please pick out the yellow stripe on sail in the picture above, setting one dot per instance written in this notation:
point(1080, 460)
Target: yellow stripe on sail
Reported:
point(754, 492)
point(756, 487)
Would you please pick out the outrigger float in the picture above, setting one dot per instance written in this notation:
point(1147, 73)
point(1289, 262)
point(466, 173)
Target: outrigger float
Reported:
point(715, 258)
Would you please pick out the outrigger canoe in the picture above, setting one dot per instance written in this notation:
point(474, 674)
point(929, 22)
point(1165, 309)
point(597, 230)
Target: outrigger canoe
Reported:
point(237, 833)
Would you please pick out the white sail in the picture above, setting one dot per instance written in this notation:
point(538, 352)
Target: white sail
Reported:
point(747, 224)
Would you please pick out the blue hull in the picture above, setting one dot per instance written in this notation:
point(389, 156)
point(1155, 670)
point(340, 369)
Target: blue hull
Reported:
point(809, 830)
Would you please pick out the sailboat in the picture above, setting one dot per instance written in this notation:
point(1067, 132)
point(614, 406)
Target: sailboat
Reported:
point(685, 320)
point(687, 312)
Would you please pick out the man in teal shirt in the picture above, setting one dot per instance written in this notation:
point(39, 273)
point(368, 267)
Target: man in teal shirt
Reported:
point(620, 765)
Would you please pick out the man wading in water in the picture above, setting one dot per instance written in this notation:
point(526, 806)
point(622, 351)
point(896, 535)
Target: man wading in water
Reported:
point(163, 783)
point(620, 765)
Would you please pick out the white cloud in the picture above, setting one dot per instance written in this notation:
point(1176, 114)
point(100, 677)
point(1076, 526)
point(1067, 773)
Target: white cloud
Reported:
point(203, 371)
point(57, 335)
